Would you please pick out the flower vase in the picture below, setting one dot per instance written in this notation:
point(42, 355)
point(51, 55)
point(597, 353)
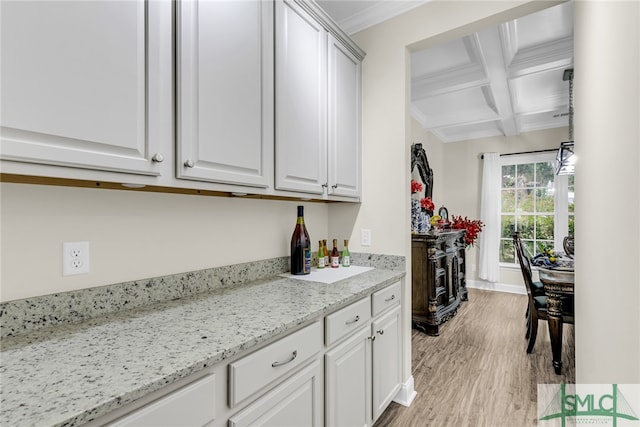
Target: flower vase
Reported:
point(415, 216)
point(424, 224)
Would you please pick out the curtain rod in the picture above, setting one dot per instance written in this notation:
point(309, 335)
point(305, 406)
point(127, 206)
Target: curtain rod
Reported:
point(526, 152)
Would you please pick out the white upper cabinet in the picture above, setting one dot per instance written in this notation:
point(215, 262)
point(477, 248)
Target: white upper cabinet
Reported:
point(225, 91)
point(317, 104)
point(344, 121)
point(301, 100)
point(84, 83)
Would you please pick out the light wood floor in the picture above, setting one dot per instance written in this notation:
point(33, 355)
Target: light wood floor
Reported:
point(477, 372)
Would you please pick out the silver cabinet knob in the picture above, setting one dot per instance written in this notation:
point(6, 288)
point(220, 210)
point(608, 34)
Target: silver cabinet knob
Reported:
point(158, 158)
point(189, 164)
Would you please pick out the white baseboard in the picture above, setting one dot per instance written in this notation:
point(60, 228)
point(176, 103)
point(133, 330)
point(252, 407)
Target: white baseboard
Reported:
point(499, 287)
point(406, 394)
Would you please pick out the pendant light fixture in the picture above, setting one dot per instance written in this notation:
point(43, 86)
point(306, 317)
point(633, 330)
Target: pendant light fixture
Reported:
point(566, 158)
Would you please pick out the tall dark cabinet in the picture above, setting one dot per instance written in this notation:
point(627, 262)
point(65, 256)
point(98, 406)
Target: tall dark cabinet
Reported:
point(438, 278)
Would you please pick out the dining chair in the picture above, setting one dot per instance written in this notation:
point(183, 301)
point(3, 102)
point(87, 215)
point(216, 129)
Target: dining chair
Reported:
point(536, 287)
point(568, 244)
point(537, 300)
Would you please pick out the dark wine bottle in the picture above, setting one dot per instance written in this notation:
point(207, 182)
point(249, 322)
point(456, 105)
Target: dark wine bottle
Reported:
point(300, 247)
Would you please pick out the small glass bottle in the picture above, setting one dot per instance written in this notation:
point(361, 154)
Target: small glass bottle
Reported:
point(326, 253)
point(335, 255)
point(320, 254)
point(346, 257)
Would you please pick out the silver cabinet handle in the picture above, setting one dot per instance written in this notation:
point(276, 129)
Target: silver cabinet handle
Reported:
point(325, 185)
point(348, 322)
point(189, 164)
point(158, 158)
point(390, 299)
point(334, 186)
point(372, 338)
point(293, 356)
point(381, 331)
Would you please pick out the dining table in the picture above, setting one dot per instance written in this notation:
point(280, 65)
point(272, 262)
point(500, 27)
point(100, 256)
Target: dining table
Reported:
point(558, 284)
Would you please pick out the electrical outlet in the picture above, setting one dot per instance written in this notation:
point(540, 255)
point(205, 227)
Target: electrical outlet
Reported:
point(365, 237)
point(75, 258)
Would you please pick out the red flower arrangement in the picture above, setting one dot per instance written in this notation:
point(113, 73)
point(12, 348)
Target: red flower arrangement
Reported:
point(427, 204)
point(415, 186)
point(473, 228)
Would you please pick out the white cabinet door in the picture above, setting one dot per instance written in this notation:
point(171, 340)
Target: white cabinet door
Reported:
point(225, 91)
point(348, 382)
point(301, 100)
point(296, 402)
point(344, 121)
point(85, 83)
point(387, 362)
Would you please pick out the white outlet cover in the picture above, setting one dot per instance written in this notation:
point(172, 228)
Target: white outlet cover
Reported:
point(365, 237)
point(75, 258)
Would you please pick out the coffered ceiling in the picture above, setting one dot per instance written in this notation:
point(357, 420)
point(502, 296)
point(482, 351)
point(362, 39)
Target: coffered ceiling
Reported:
point(504, 80)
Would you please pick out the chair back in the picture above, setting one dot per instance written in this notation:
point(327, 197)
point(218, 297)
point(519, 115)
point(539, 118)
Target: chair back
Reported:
point(568, 244)
point(525, 264)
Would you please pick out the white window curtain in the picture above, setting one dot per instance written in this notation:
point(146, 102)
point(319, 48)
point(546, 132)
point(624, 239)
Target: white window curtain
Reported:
point(489, 268)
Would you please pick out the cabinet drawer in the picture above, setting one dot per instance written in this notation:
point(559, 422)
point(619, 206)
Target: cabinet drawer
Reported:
point(192, 405)
point(295, 402)
point(251, 373)
point(385, 298)
point(347, 320)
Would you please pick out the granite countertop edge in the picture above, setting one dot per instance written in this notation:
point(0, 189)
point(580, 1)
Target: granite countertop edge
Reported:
point(73, 374)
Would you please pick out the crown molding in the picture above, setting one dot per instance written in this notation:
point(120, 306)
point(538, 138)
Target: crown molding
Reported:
point(378, 13)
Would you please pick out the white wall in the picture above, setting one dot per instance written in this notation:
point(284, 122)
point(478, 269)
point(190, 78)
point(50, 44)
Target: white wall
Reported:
point(136, 235)
point(607, 134)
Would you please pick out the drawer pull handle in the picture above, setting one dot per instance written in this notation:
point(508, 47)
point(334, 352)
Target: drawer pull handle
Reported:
point(348, 322)
point(390, 299)
point(293, 356)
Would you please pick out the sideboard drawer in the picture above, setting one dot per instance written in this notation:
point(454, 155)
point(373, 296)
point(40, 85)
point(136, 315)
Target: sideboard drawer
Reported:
point(385, 298)
point(251, 373)
point(347, 320)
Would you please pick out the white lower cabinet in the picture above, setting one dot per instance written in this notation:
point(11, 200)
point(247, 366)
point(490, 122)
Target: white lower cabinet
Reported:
point(295, 402)
point(364, 371)
point(348, 387)
point(387, 363)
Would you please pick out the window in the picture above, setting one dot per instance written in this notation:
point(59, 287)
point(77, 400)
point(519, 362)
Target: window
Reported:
point(535, 202)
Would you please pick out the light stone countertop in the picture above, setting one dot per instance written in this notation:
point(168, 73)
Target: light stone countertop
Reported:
point(72, 373)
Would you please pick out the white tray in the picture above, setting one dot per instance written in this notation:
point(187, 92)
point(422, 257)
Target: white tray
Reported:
point(328, 274)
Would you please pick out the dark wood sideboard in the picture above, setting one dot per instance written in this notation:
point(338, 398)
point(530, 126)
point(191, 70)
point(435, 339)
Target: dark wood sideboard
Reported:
point(438, 283)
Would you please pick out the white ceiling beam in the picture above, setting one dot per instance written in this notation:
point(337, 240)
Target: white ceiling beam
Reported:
point(460, 78)
point(498, 88)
